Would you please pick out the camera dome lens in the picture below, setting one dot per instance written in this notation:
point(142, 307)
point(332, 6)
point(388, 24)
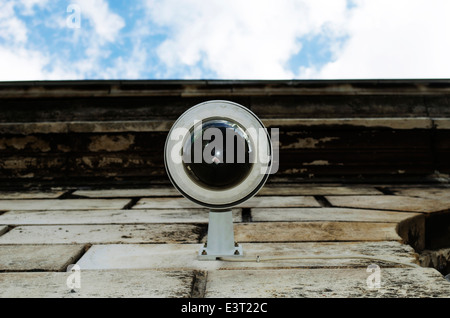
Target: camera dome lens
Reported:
point(224, 156)
point(218, 154)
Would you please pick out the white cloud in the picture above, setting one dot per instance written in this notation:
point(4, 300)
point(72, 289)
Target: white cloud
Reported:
point(27, 6)
point(99, 27)
point(21, 64)
point(257, 38)
point(22, 58)
point(392, 39)
point(240, 39)
point(106, 23)
point(130, 67)
point(227, 39)
point(16, 62)
point(12, 29)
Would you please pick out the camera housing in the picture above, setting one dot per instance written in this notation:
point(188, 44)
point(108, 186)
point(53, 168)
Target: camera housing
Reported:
point(218, 154)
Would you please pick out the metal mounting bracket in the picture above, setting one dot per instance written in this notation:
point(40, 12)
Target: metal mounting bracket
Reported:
point(220, 240)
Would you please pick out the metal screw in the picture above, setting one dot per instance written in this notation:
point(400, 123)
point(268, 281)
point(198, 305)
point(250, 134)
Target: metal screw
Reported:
point(204, 252)
point(236, 244)
point(236, 252)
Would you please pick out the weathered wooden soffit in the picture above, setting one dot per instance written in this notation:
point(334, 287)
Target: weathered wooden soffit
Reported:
point(98, 131)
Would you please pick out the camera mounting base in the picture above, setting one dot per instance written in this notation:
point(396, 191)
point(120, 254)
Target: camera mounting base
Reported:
point(220, 241)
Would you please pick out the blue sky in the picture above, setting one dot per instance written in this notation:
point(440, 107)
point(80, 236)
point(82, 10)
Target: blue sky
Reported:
point(223, 39)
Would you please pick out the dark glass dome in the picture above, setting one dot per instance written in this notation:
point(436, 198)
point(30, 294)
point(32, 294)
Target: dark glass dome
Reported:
point(226, 155)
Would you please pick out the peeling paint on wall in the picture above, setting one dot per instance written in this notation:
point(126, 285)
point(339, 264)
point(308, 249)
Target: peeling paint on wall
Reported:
point(106, 162)
point(309, 143)
point(111, 143)
point(317, 163)
point(21, 143)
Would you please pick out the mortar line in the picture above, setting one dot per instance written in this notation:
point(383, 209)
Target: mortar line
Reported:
point(199, 284)
point(324, 203)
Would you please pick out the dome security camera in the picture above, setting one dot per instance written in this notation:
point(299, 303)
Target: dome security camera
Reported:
point(218, 155)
